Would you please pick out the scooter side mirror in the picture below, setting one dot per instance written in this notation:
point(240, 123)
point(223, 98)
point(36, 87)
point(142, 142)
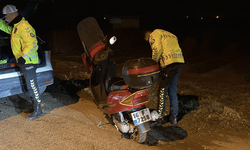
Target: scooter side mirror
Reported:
point(112, 40)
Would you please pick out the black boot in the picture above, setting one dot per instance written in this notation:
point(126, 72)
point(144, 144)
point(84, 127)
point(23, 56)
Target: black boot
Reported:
point(37, 111)
point(173, 119)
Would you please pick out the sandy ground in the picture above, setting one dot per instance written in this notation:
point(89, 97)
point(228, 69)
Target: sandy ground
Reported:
point(219, 122)
point(68, 127)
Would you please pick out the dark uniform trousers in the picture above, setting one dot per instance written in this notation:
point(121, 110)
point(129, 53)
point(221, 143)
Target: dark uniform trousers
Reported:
point(29, 73)
point(168, 86)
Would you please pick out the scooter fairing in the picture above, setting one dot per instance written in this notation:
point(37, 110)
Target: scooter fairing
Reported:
point(92, 39)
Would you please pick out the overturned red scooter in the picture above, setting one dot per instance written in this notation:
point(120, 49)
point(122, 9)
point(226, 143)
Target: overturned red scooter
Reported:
point(122, 99)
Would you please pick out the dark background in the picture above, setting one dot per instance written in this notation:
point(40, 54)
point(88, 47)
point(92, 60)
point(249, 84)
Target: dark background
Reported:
point(232, 26)
point(67, 13)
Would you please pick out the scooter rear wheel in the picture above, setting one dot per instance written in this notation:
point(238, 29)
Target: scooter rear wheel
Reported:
point(138, 136)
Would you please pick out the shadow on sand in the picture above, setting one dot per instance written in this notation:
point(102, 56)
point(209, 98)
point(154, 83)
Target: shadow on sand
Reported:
point(61, 93)
point(170, 133)
point(166, 134)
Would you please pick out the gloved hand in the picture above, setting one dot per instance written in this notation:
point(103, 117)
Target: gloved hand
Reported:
point(21, 61)
point(162, 74)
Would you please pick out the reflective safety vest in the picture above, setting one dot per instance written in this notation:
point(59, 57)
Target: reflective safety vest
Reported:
point(23, 40)
point(165, 48)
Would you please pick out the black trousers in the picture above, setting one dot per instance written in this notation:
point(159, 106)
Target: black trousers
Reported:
point(168, 86)
point(29, 73)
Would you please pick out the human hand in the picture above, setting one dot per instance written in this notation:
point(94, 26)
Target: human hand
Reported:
point(162, 74)
point(21, 61)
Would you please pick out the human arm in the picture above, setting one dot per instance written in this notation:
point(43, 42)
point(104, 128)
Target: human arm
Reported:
point(29, 42)
point(156, 45)
point(5, 27)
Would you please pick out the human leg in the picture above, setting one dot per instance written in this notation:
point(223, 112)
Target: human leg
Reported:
point(29, 73)
point(172, 92)
point(165, 80)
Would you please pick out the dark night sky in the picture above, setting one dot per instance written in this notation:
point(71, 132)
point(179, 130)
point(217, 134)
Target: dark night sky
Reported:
point(66, 12)
point(239, 8)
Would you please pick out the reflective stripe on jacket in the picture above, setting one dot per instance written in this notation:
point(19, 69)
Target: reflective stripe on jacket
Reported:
point(165, 47)
point(23, 40)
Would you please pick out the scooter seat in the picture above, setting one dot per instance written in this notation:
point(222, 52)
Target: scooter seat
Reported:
point(117, 84)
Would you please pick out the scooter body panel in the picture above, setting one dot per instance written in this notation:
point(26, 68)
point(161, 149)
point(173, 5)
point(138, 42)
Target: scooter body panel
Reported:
point(120, 101)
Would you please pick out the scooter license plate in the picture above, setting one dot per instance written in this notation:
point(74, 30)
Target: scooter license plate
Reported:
point(141, 116)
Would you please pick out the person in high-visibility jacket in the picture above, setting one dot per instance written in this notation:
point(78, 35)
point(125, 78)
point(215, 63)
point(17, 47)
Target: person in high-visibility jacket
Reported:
point(24, 47)
point(167, 52)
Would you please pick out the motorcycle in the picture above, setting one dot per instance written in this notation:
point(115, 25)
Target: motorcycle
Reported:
point(122, 99)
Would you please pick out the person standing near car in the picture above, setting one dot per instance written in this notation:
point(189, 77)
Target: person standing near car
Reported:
point(167, 52)
point(24, 47)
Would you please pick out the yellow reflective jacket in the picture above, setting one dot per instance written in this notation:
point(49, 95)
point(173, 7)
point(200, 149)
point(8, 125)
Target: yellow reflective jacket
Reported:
point(165, 47)
point(23, 40)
